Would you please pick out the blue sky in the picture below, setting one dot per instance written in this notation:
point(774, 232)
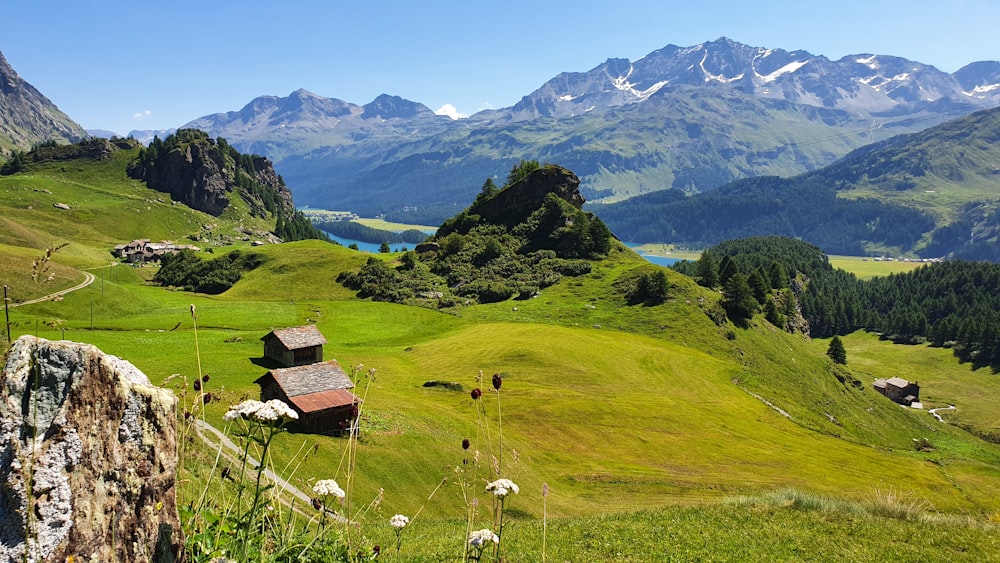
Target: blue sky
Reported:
point(154, 65)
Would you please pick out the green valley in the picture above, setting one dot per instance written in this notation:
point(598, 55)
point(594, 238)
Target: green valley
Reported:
point(641, 420)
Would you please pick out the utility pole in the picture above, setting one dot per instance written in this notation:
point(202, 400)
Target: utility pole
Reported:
point(6, 312)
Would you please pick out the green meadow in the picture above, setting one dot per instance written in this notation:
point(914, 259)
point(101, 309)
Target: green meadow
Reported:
point(659, 435)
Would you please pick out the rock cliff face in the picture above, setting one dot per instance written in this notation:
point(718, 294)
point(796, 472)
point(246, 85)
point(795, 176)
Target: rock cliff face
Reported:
point(194, 175)
point(88, 458)
point(205, 174)
point(28, 117)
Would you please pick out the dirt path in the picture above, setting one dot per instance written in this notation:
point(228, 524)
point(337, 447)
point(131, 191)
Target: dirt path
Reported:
point(935, 411)
point(213, 437)
point(86, 282)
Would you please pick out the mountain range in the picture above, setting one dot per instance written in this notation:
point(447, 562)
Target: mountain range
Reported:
point(933, 194)
point(691, 118)
point(688, 119)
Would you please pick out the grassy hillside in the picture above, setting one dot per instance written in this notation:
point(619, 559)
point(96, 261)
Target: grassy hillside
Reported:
point(616, 407)
point(609, 416)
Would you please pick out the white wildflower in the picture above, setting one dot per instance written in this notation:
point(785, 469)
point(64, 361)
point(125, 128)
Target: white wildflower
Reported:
point(328, 487)
point(501, 487)
point(479, 538)
point(242, 410)
point(399, 521)
point(264, 412)
point(274, 410)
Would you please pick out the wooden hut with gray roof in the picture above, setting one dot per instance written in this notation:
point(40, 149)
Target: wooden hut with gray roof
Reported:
point(295, 346)
point(319, 392)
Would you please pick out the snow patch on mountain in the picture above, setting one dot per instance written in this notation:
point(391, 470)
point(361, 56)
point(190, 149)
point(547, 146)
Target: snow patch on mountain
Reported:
point(624, 85)
point(869, 62)
point(979, 90)
point(787, 69)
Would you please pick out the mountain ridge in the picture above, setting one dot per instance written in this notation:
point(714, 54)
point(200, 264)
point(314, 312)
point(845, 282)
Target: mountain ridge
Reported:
point(27, 117)
point(618, 125)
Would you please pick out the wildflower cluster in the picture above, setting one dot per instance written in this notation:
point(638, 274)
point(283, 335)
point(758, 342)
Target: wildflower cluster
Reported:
point(399, 521)
point(270, 411)
point(480, 538)
point(328, 487)
point(501, 487)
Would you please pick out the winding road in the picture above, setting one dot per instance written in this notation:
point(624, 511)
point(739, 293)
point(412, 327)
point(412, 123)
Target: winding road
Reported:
point(86, 282)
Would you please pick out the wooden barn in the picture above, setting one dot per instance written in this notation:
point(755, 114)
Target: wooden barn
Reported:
point(295, 346)
point(319, 392)
point(899, 390)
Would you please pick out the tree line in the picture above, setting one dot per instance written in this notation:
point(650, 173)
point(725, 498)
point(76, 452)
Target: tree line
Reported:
point(953, 303)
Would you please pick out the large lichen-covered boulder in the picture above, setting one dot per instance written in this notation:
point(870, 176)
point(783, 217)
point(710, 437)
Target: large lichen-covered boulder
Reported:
point(88, 458)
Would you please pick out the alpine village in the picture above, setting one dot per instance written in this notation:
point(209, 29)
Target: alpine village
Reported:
point(723, 319)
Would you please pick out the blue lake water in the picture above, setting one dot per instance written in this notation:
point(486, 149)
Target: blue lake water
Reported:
point(372, 248)
point(658, 260)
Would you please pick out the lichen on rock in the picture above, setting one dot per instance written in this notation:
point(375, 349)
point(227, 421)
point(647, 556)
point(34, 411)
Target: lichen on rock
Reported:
point(88, 457)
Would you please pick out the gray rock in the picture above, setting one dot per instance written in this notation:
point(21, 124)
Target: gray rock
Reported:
point(97, 445)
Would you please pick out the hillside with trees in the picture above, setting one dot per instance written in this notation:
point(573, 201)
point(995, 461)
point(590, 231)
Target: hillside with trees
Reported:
point(953, 303)
point(202, 172)
point(930, 194)
point(512, 241)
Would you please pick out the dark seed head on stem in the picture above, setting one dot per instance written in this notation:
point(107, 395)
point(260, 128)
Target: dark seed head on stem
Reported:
point(476, 393)
point(465, 444)
point(497, 381)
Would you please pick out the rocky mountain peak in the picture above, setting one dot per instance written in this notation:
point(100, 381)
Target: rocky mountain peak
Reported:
point(388, 107)
point(516, 202)
point(27, 117)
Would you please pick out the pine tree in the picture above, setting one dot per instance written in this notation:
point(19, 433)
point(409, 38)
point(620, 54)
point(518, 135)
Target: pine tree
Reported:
point(836, 351)
point(738, 299)
point(708, 270)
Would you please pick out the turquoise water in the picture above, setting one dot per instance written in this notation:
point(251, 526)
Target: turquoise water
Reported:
point(372, 248)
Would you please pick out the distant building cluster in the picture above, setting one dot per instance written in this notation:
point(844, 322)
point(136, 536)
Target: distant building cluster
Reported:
point(324, 215)
point(891, 259)
point(140, 251)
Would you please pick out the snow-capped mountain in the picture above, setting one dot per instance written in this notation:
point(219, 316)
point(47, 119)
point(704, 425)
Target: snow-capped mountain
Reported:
point(864, 83)
point(689, 118)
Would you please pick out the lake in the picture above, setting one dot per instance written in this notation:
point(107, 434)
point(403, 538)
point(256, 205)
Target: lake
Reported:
point(372, 248)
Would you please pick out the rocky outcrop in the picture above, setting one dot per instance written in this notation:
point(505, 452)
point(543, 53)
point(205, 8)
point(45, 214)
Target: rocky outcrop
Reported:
point(27, 117)
point(205, 174)
point(194, 175)
point(513, 205)
point(88, 458)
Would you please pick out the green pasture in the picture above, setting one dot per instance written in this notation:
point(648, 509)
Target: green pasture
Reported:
point(865, 268)
point(642, 420)
point(618, 407)
point(943, 381)
point(383, 225)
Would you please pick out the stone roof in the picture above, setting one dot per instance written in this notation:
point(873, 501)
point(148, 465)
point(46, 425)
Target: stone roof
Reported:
point(310, 378)
point(297, 337)
point(898, 382)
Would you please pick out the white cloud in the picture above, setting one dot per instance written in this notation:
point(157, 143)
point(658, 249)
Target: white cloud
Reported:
point(451, 111)
point(141, 114)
